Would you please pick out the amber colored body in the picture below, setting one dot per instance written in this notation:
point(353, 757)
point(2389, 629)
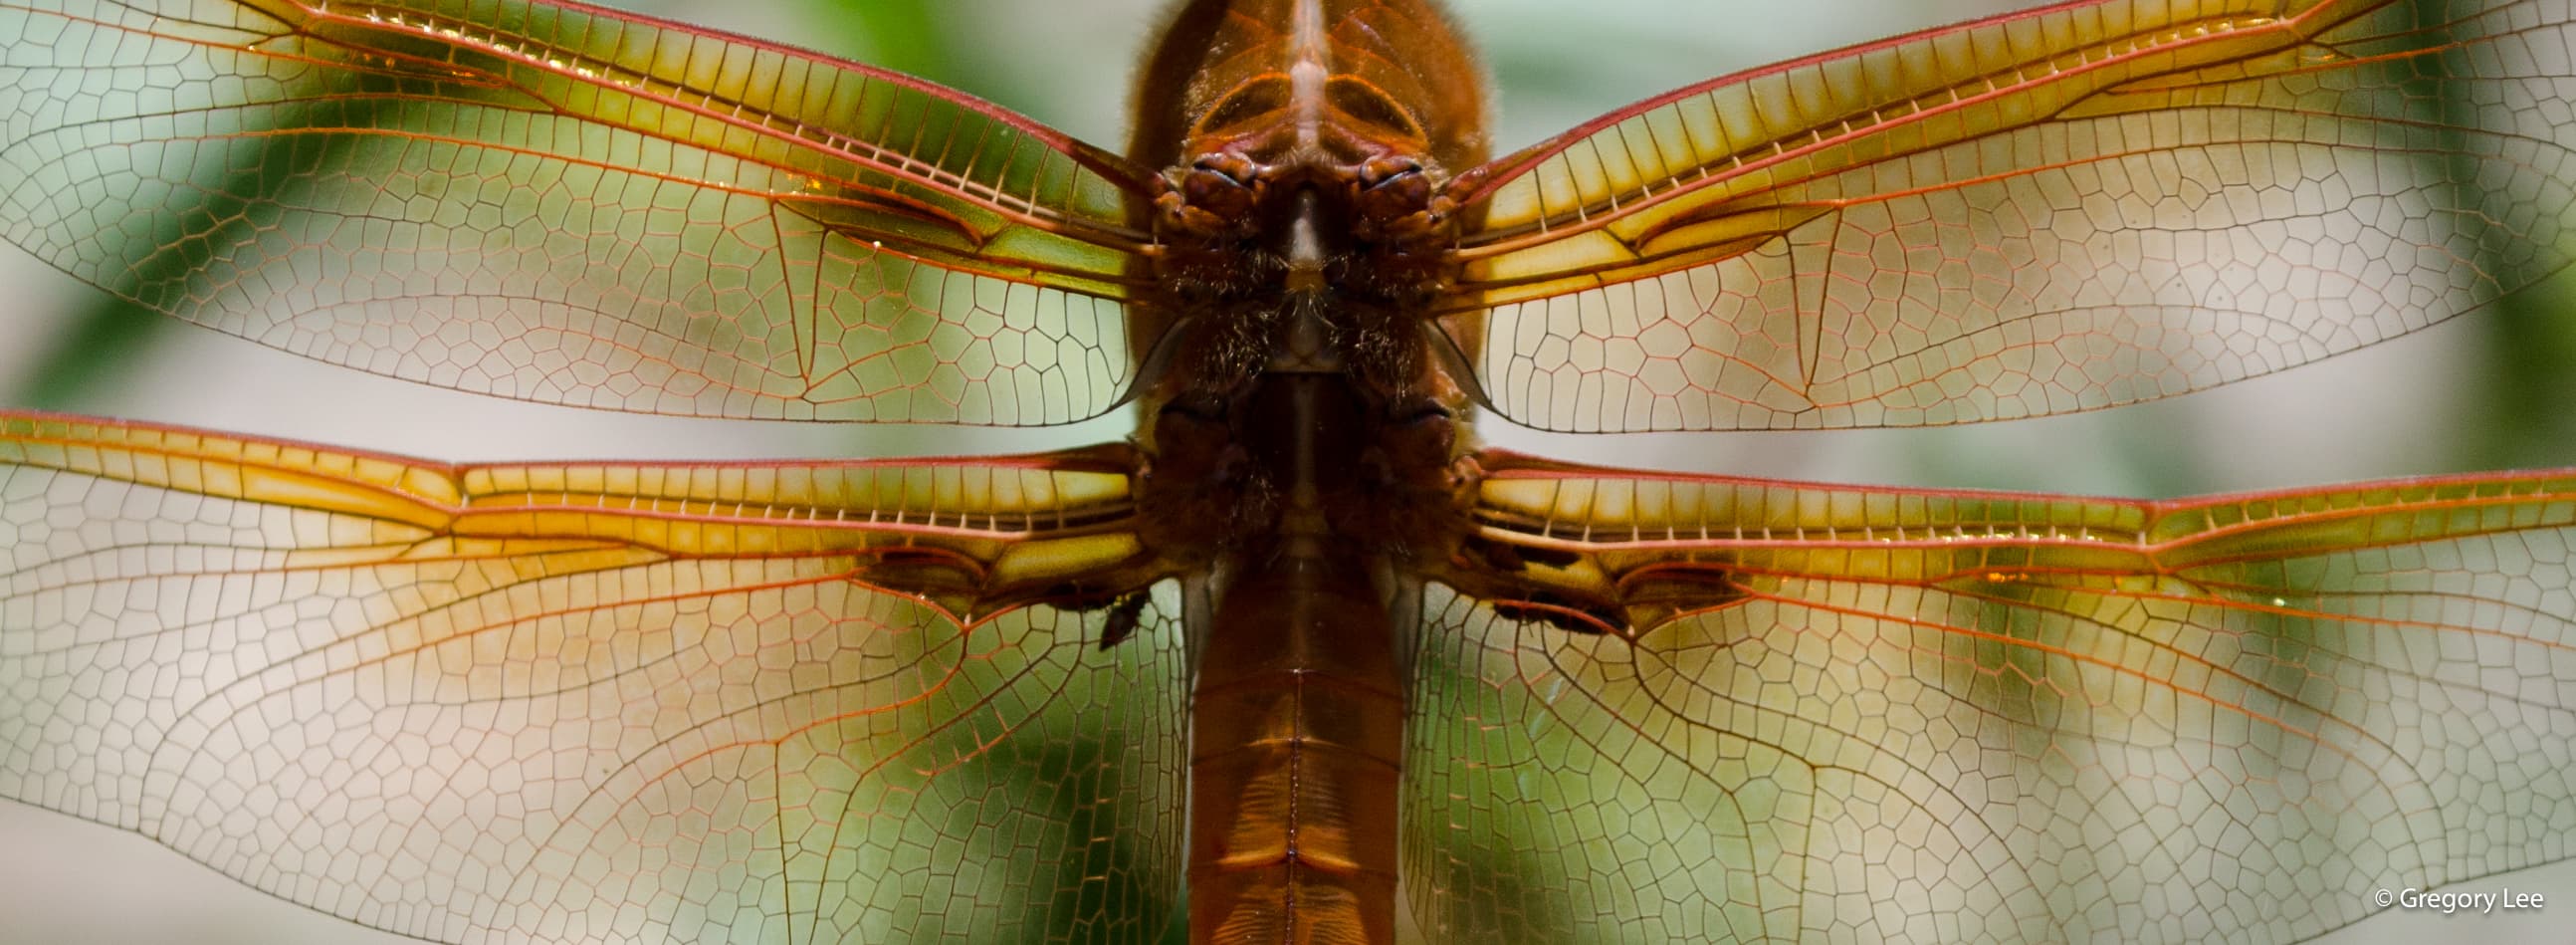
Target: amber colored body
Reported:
point(1298, 714)
point(1303, 433)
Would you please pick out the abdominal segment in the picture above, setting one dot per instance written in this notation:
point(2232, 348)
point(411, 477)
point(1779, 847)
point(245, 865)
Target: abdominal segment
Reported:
point(1296, 734)
point(1298, 714)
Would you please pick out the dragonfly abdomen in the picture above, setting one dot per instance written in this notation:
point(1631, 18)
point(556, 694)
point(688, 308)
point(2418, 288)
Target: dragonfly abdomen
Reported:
point(1297, 721)
point(1297, 730)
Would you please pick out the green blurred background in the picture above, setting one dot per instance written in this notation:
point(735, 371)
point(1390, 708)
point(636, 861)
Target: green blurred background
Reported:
point(2482, 393)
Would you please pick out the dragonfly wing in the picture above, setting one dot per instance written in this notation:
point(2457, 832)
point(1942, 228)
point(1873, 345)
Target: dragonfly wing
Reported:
point(2064, 209)
point(593, 703)
point(1885, 715)
point(565, 204)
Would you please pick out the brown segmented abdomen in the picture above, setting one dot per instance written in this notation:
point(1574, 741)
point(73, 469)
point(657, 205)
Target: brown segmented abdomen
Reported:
point(1296, 735)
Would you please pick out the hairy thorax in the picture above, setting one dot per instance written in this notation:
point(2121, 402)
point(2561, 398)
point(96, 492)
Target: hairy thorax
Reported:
point(1301, 392)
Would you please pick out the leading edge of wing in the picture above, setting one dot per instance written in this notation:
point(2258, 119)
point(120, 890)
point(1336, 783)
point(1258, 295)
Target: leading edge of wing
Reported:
point(972, 536)
point(565, 204)
point(1642, 545)
point(2063, 209)
point(595, 702)
point(2215, 717)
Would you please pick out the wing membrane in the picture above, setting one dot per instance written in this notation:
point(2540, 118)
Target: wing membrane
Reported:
point(1887, 715)
point(570, 205)
point(589, 703)
point(2074, 207)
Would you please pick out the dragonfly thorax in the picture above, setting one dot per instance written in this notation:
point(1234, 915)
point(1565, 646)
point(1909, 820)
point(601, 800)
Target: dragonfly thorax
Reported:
point(1232, 226)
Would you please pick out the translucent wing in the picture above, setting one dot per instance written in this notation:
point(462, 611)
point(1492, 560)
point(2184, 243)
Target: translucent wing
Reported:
point(593, 703)
point(1879, 715)
point(566, 204)
point(2079, 206)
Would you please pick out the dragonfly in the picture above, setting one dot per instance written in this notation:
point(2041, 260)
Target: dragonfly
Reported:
point(1564, 620)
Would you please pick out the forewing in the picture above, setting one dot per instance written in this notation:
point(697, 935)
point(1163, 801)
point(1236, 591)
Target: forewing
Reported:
point(2074, 207)
point(593, 703)
point(1878, 715)
point(566, 204)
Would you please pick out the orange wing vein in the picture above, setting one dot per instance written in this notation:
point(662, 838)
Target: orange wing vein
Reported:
point(560, 203)
point(1877, 714)
point(2063, 209)
point(591, 702)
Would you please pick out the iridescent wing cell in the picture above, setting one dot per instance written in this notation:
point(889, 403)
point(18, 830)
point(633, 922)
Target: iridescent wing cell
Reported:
point(562, 204)
point(2071, 208)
